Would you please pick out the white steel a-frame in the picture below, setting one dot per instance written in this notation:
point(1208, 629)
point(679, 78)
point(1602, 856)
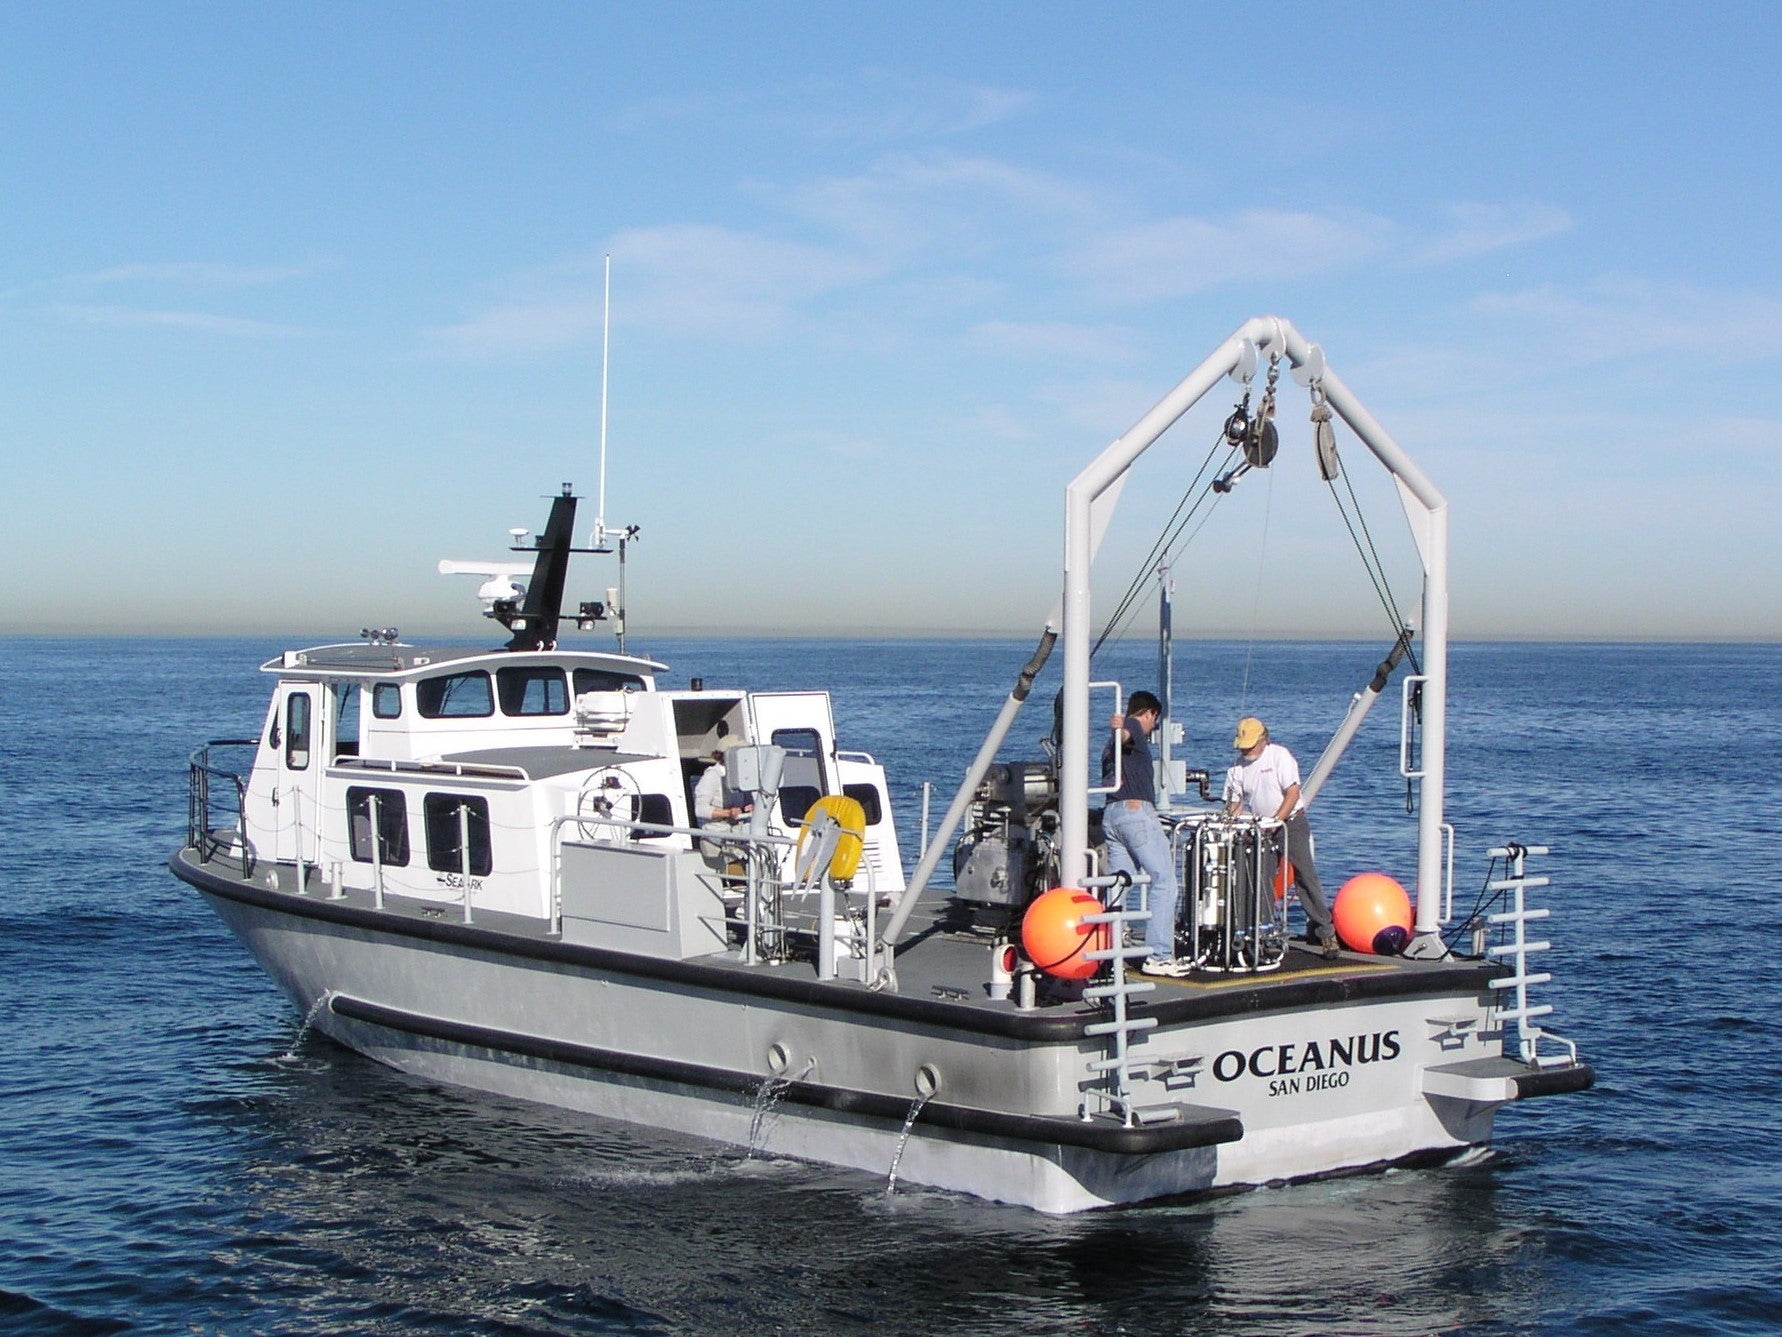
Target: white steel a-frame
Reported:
point(1425, 507)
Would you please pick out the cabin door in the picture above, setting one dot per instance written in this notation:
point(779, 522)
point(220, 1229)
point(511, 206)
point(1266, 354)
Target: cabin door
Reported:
point(801, 723)
point(297, 736)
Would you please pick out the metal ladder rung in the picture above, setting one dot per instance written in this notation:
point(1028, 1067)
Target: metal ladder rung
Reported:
point(1525, 1013)
point(1118, 953)
point(1507, 884)
point(1513, 981)
point(1510, 949)
point(1109, 990)
point(1515, 916)
point(1114, 1027)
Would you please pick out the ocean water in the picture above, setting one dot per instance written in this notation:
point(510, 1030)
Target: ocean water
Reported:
point(177, 1155)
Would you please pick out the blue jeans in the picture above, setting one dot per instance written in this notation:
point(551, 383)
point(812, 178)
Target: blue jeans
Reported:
point(1136, 843)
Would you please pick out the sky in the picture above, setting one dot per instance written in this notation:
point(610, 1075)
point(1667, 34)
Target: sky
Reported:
point(297, 299)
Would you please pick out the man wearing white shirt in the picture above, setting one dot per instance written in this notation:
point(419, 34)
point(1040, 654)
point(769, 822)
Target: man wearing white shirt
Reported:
point(716, 809)
point(1265, 783)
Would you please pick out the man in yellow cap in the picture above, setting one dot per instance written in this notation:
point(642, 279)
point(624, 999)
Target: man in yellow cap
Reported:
point(1265, 783)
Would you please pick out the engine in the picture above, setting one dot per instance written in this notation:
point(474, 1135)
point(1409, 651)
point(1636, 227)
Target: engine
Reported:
point(1007, 852)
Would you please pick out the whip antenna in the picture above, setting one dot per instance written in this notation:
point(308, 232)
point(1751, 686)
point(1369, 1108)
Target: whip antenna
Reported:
point(606, 326)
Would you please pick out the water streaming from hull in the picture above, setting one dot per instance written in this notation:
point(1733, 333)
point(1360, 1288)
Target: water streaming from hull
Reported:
point(768, 1095)
point(909, 1122)
point(309, 1020)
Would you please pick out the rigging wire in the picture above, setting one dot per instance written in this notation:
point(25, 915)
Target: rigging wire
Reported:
point(1123, 612)
point(1256, 601)
point(1169, 545)
point(1370, 560)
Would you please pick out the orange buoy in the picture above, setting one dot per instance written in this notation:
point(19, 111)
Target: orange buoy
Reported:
point(1055, 937)
point(1283, 879)
point(1373, 915)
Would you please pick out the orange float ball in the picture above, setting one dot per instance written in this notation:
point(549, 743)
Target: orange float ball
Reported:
point(1055, 937)
point(1283, 879)
point(1373, 915)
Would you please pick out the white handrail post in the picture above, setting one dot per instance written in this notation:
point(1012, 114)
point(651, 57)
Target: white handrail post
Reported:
point(297, 839)
point(377, 852)
point(464, 853)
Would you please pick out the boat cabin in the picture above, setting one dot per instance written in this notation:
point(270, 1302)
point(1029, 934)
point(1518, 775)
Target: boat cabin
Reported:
point(460, 776)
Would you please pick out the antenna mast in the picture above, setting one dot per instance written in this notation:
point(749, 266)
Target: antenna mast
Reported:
point(615, 595)
point(606, 327)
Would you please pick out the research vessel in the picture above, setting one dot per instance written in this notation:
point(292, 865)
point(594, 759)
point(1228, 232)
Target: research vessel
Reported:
point(493, 867)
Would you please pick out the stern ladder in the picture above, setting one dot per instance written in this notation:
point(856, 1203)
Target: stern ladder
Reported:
point(1517, 951)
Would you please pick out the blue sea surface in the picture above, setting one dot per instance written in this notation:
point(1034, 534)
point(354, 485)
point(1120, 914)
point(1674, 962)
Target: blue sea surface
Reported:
point(178, 1155)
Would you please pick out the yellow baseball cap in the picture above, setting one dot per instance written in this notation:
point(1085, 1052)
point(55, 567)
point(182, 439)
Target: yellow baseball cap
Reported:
point(1250, 732)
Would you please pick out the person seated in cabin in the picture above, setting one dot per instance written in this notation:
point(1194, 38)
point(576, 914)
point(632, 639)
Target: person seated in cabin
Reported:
point(718, 808)
point(1265, 783)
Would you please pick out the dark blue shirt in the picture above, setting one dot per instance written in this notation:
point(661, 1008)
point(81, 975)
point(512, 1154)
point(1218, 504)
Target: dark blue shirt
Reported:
point(1137, 774)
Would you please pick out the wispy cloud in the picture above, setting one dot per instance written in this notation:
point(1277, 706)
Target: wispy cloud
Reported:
point(685, 277)
point(700, 279)
point(905, 202)
point(201, 273)
point(1622, 317)
point(855, 449)
point(911, 222)
point(1057, 340)
point(995, 422)
point(523, 327)
point(1106, 405)
point(1478, 229)
point(199, 322)
point(1175, 257)
point(888, 106)
point(874, 107)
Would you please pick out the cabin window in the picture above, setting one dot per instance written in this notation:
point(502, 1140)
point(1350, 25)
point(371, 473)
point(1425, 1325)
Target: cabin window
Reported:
point(386, 811)
point(386, 701)
point(867, 796)
point(655, 809)
point(444, 852)
point(605, 680)
point(532, 691)
point(346, 719)
point(455, 696)
point(297, 710)
point(801, 783)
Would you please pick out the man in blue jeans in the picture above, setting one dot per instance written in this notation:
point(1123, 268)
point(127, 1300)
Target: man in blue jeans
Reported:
point(1136, 839)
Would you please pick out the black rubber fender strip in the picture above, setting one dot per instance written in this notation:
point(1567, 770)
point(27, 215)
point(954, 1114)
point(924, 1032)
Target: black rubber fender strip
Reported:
point(1203, 1127)
point(1555, 1081)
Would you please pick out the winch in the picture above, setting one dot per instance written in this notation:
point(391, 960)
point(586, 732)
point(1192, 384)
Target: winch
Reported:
point(1007, 852)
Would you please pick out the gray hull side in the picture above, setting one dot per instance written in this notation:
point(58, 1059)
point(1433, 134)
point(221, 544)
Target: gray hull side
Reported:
point(469, 1016)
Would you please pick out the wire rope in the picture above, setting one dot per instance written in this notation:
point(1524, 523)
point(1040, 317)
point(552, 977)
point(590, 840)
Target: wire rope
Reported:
point(1268, 507)
point(1370, 560)
point(1114, 628)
